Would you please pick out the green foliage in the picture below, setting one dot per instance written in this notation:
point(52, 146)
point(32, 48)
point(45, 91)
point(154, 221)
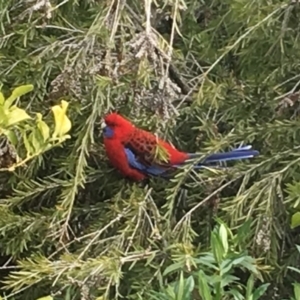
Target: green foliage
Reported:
point(36, 138)
point(206, 75)
point(215, 278)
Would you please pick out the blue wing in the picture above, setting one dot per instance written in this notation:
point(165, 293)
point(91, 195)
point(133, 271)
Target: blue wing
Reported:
point(150, 170)
point(156, 170)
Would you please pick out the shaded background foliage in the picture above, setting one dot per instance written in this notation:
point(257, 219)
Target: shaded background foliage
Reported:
point(206, 75)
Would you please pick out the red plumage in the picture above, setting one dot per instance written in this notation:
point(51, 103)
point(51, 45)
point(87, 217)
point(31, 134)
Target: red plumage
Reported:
point(136, 153)
point(142, 143)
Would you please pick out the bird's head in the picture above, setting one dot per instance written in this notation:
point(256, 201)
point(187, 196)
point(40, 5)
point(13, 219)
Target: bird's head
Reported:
point(116, 126)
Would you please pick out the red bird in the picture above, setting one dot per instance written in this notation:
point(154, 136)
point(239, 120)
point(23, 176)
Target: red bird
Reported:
point(133, 151)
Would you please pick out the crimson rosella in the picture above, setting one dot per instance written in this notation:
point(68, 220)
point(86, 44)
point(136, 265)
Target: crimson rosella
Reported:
point(133, 151)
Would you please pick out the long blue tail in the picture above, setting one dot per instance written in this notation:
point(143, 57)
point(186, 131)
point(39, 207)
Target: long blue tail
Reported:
point(236, 154)
point(156, 170)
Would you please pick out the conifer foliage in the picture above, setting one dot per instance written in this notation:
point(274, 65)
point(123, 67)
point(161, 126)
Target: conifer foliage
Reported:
point(207, 75)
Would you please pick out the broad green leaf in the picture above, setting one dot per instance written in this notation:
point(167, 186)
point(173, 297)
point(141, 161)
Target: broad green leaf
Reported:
point(250, 285)
point(208, 264)
point(203, 289)
point(180, 290)
point(248, 263)
point(295, 220)
point(214, 280)
point(296, 290)
point(16, 93)
point(43, 127)
point(16, 115)
point(224, 238)
point(189, 285)
point(173, 267)
point(62, 122)
point(236, 294)
point(207, 259)
point(226, 266)
point(260, 291)
point(36, 140)
point(228, 279)
point(228, 231)
point(171, 293)
point(11, 135)
point(27, 143)
point(239, 260)
point(3, 117)
point(217, 247)
point(294, 269)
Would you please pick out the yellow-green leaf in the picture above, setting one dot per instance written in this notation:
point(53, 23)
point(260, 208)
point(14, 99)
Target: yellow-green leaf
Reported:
point(295, 221)
point(2, 99)
point(3, 117)
point(36, 140)
point(224, 237)
point(62, 122)
point(161, 154)
point(16, 115)
point(11, 135)
point(43, 127)
point(16, 93)
point(45, 298)
point(28, 145)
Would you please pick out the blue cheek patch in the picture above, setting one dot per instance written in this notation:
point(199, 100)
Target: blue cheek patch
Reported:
point(108, 132)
